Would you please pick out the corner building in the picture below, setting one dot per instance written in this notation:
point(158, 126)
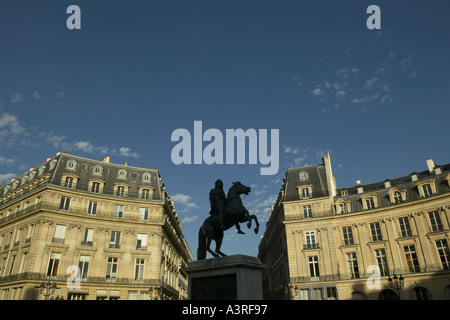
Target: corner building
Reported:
point(76, 228)
point(323, 242)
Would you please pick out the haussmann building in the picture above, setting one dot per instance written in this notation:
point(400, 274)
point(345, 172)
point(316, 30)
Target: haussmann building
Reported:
point(75, 228)
point(383, 240)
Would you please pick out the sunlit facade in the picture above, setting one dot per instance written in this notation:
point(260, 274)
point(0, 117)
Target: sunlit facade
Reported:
point(76, 228)
point(324, 242)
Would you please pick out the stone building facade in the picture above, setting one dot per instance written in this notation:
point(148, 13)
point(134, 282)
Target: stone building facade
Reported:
point(324, 242)
point(76, 228)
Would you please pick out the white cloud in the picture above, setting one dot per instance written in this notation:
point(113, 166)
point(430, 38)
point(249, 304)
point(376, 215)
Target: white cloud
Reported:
point(6, 161)
point(36, 95)
point(126, 152)
point(16, 98)
point(10, 123)
point(60, 94)
point(370, 83)
point(5, 178)
point(189, 219)
point(317, 92)
point(184, 200)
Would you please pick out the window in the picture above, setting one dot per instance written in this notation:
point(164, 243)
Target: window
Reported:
point(411, 258)
point(53, 264)
point(310, 239)
point(313, 263)
point(143, 214)
point(444, 253)
point(95, 187)
point(317, 294)
point(121, 174)
point(427, 190)
point(97, 170)
point(68, 182)
point(376, 231)
point(369, 203)
point(141, 242)
point(303, 176)
point(435, 220)
point(120, 191)
point(118, 211)
point(64, 204)
point(139, 270)
point(145, 193)
point(71, 164)
point(92, 208)
point(307, 211)
point(88, 237)
point(343, 207)
point(352, 265)
point(111, 268)
point(59, 234)
point(398, 197)
point(83, 266)
point(303, 294)
point(23, 262)
point(331, 293)
point(405, 229)
point(305, 192)
point(380, 256)
point(146, 177)
point(114, 242)
point(348, 236)
point(29, 233)
point(421, 293)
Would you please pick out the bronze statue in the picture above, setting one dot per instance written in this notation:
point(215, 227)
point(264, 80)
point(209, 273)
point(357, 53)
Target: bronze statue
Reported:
point(224, 214)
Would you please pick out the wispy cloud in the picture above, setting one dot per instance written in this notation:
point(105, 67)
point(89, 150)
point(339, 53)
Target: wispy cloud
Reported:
point(16, 98)
point(5, 178)
point(60, 142)
point(184, 201)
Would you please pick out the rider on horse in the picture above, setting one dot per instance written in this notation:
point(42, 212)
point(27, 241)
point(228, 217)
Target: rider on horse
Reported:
point(217, 200)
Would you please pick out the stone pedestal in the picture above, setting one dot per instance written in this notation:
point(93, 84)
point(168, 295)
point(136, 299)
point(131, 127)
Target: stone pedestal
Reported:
point(236, 277)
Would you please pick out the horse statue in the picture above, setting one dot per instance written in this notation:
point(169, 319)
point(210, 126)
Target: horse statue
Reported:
point(234, 212)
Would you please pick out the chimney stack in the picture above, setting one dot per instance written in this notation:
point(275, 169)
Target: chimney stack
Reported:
point(430, 164)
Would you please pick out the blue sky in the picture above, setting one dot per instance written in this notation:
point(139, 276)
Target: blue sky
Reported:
point(376, 100)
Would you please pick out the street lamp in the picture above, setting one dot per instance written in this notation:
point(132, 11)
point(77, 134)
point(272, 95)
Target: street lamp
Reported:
point(47, 289)
point(397, 283)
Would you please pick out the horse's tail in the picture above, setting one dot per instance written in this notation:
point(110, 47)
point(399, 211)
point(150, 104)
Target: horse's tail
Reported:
point(201, 251)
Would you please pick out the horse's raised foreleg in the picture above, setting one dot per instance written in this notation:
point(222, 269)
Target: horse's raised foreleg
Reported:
point(256, 221)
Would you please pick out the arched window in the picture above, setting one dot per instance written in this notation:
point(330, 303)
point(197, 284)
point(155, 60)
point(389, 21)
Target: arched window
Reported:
point(146, 177)
point(387, 294)
point(97, 170)
point(121, 174)
point(421, 293)
point(71, 164)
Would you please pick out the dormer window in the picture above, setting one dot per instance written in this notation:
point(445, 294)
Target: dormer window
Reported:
point(303, 176)
point(146, 177)
point(97, 170)
point(397, 195)
point(71, 164)
point(369, 201)
point(122, 174)
point(305, 192)
point(343, 206)
point(426, 188)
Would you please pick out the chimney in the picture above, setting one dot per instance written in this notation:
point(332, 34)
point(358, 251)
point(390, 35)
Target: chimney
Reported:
point(106, 159)
point(430, 164)
point(358, 182)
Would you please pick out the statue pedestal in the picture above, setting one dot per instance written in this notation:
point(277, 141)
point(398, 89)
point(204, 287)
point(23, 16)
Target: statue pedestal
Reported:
point(236, 277)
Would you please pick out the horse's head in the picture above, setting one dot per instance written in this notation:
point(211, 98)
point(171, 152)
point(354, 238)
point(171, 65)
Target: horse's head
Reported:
point(240, 188)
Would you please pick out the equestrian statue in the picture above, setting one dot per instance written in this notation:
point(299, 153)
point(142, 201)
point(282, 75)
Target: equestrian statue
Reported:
point(226, 212)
